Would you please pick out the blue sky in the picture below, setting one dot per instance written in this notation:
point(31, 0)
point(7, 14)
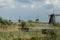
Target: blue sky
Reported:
point(29, 9)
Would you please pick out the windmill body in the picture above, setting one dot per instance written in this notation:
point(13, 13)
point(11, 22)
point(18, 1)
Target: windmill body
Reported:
point(52, 19)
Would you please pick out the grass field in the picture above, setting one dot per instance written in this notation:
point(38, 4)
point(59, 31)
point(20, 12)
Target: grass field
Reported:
point(16, 34)
point(31, 35)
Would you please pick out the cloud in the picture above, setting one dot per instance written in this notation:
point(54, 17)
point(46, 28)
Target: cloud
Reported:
point(7, 3)
point(23, 1)
point(40, 7)
point(34, 4)
point(30, 6)
point(24, 6)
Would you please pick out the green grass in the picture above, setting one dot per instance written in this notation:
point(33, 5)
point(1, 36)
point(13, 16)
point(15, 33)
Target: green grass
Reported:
point(35, 34)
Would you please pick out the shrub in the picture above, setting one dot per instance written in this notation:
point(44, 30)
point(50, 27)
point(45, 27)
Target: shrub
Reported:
point(23, 24)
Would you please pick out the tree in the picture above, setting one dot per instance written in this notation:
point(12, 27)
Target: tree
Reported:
point(4, 21)
point(23, 23)
point(37, 20)
point(30, 21)
point(1, 19)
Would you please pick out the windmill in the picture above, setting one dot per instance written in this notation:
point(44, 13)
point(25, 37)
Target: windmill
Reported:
point(37, 19)
point(52, 20)
point(10, 20)
point(19, 20)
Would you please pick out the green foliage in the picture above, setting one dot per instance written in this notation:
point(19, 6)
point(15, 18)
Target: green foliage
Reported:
point(23, 24)
point(37, 20)
point(57, 24)
point(32, 34)
point(1, 19)
point(30, 21)
point(50, 35)
point(4, 21)
point(33, 38)
point(16, 38)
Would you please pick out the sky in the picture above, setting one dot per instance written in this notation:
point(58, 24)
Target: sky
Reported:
point(29, 9)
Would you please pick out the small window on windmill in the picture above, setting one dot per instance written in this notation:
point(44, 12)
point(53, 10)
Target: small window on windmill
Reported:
point(44, 31)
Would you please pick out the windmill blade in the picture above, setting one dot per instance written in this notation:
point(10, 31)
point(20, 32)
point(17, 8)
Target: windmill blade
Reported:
point(57, 14)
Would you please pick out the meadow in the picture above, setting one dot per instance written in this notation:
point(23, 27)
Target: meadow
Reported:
point(11, 31)
point(30, 35)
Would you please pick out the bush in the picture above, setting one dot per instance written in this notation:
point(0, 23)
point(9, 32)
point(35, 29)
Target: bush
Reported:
point(23, 24)
point(33, 38)
point(16, 38)
point(50, 35)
